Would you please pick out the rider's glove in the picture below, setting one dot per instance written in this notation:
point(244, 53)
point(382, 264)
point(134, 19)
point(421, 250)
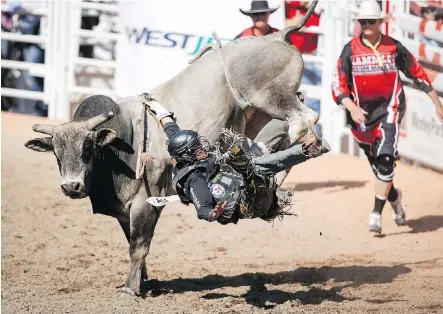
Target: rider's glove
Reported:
point(160, 111)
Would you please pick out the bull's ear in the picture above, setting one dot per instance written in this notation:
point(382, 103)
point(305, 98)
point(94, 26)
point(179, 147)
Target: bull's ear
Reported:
point(40, 144)
point(105, 136)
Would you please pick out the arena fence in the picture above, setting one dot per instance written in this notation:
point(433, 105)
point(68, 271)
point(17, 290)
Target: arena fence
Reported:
point(69, 78)
point(62, 65)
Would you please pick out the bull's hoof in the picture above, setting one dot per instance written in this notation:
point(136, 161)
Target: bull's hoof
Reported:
point(126, 291)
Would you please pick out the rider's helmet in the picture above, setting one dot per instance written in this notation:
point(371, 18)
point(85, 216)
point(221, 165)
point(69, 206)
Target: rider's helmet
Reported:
point(182, 145)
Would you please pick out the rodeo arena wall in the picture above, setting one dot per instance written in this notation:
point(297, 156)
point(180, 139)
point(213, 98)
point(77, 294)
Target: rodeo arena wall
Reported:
point(122, 48)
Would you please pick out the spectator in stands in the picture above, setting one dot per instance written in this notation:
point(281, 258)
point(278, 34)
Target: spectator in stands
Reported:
point(427, 12)
point(366, 81)
point(7, 25)
point(8, 78)
point(259, 13)
point(89, 20)
point(430, 14)
point(29, 24)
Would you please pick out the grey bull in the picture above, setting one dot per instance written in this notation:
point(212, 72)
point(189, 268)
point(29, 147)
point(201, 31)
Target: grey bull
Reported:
point(97, 151)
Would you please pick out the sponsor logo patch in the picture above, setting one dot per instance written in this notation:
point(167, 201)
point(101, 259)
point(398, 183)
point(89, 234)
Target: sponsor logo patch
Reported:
point(217, 190)
point(368, 64)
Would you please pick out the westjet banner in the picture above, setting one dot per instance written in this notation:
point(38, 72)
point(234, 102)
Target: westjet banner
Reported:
point(159, 37)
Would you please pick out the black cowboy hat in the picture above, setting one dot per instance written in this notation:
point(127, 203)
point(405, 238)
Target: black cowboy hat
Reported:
point(259, 7)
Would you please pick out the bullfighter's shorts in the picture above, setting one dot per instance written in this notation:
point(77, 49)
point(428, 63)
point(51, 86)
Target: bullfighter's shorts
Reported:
point(382, 139)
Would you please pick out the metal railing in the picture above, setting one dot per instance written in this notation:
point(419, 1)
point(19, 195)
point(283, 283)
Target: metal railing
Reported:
point(39, 70)
point(61, 21)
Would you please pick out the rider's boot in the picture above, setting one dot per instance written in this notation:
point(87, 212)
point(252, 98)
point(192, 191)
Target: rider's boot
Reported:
point(313, 146)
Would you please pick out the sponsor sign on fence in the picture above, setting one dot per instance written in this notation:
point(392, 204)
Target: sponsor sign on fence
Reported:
point(160, 37)
point(421, 132)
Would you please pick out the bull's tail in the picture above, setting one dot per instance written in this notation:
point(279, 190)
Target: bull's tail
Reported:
point(284, 33)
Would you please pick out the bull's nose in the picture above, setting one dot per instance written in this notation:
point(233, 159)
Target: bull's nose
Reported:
point(70, 188)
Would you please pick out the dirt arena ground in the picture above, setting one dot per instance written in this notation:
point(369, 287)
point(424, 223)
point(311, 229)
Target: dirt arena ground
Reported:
point(57, 257)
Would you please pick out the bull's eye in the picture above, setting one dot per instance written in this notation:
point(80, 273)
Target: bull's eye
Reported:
point(86, 155)
point(87, 151)
point(58, 160)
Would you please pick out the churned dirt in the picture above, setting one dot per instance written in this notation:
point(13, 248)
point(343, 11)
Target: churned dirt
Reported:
point(57, 257)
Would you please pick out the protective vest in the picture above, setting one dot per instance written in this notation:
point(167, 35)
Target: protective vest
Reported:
point(229, 186)
point(232, 179)
point(207, 168)
point(241, 186)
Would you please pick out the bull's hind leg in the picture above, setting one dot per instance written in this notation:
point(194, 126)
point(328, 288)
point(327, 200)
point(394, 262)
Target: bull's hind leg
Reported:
point(268, 123)
point(273, 133)
point(284, 134)
point(143, 220)
point(298, 120)
point(279, 134)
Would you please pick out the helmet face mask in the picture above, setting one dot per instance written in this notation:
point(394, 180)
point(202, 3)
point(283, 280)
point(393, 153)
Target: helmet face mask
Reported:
point(200, 153)
point(185, 147)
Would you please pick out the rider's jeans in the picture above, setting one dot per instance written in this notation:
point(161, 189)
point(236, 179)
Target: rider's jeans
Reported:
point(272, 164)
point(275, 137)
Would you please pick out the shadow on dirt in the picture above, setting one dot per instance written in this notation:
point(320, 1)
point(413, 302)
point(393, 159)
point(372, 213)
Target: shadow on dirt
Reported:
point(425, 224)
point(428, 223)
point(312, 186)
point(259, 295)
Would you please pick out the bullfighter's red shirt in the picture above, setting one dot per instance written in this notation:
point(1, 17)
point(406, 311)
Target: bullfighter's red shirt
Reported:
point(377, 90)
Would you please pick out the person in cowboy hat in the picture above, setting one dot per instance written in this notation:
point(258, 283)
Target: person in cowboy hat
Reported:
point(367, 82)
point(259, 13)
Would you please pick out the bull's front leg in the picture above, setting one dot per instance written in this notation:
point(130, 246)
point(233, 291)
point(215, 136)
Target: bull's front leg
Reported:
point(126, 227)
point(143, 219)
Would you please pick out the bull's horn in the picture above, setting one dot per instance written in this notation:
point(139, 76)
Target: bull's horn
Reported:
point(96, 121)
point(44, 128)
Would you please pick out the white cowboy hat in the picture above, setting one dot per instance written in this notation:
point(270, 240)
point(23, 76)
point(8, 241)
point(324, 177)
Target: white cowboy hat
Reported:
point(369, 9)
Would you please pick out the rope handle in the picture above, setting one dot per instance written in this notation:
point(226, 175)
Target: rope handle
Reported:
point(142, 131)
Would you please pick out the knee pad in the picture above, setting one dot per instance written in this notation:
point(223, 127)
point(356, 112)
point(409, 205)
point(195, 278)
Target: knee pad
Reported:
point(385, 167)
